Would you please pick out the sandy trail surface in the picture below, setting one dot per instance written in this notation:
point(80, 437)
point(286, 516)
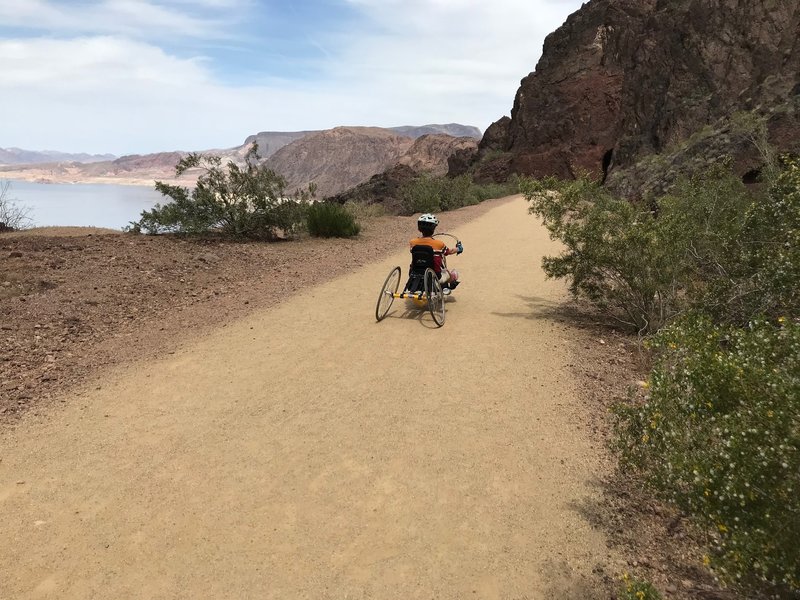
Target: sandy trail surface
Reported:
point(310, 452)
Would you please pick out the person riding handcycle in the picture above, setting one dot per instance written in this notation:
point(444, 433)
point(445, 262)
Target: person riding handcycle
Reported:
point(426, 225)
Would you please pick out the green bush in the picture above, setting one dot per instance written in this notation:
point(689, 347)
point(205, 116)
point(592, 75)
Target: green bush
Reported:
point(719, 435)
point(329, 219)
point(249, 201)
point(758, 270)
point(616, 255)
point(644, 264)
point(436, 194)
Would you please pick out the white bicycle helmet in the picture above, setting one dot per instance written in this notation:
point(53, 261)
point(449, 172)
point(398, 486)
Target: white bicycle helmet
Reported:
point(428, 218)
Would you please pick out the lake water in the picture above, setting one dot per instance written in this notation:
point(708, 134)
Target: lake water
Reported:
point(83, 204)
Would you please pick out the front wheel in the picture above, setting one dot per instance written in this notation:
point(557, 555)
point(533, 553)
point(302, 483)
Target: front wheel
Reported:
point(389, 289)
point(435, 295)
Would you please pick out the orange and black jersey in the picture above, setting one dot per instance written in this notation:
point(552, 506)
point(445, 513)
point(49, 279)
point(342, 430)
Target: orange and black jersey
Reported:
point(439, 249)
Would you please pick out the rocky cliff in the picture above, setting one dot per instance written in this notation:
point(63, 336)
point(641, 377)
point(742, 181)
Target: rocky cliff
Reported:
point(339, 158)
point(430, 153)
point(624, 79)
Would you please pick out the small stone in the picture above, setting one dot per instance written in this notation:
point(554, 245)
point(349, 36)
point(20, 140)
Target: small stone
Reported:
point(207, 257)
point(15, 254)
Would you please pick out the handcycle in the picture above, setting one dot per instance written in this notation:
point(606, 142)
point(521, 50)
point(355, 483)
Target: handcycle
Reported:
point(423, 286)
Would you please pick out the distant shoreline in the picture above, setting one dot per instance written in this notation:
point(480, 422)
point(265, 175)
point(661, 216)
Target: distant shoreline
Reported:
point(46, 179)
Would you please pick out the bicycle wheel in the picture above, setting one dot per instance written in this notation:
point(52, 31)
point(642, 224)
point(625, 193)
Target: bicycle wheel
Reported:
point(388, 290)
point(435, 295)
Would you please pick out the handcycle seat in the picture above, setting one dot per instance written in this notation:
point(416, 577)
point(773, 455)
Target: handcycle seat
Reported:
point(422, 258)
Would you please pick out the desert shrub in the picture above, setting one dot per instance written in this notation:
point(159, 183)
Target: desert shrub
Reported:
point(644, 264)
point(12, 216)
point(436, 194)
point(247, 201)
point(616, 254)
point(758, 274)
point(637, 589)
point(362, 211)
point(719, 435)
point(487, 191)
point(330, 219)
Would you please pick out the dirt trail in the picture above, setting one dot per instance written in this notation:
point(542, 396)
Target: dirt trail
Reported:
point(309, 452)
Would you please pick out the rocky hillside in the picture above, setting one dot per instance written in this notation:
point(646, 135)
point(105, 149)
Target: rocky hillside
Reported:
point(338, 159)
point(430, 153)
point(625, 79)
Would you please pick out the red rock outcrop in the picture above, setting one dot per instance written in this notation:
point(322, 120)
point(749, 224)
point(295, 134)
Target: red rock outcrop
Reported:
point(622, 79)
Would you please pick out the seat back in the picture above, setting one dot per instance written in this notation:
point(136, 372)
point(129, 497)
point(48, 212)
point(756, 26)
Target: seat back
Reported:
point(421, 259)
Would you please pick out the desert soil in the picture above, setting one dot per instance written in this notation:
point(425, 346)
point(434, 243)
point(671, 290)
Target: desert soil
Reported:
point(187, 420)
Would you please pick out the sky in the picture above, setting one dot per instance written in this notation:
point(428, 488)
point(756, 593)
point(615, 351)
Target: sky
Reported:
point(141, 76)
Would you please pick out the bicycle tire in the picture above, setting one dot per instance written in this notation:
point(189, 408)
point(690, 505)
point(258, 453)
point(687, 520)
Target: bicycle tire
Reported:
point(435, 296)
point(386, 297)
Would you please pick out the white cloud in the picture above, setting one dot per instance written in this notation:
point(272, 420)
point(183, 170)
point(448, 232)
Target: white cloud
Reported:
point(412, 61)
point(134, 18)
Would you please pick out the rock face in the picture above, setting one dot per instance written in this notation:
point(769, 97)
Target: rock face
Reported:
point(384, 188)
point(623, 79)
point(338, 159)
point(430, 153)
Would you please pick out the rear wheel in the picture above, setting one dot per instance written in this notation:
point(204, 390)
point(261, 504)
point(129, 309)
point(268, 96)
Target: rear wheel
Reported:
point(389, 289)
point(435, 295)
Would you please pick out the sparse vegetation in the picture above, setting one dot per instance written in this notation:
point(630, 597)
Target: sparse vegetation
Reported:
point(246, 202)
point(637, 589)
point(715, 267)
point(329, 219)
point(718, 434)
point(437, 194)
point(12, 216)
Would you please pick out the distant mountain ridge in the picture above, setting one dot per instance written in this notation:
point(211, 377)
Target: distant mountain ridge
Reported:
point(18, 156)
point(451, 129)
point(334, 159)
point(269, 142)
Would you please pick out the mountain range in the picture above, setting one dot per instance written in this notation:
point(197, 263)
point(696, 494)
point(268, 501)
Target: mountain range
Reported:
point(18, 156)
point(334, 159)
